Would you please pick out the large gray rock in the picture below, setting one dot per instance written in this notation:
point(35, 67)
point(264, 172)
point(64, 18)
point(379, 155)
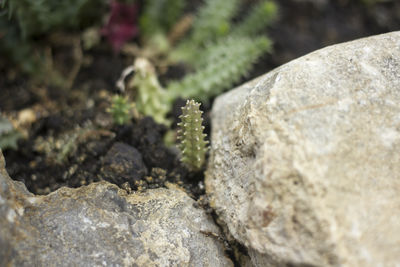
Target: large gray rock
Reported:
point(305, 160)
point(100, 225)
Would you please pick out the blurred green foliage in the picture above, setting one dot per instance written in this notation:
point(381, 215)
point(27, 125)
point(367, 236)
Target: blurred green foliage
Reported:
point(158, 16)
point(22, 22)
point(43, 16)
point(221, 66)
point(8, 135)
point(218, 51)
point(14, 48)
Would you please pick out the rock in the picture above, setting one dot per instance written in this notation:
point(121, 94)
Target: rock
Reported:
point(101, 225)
point(148, 137)
point(122, 164)
point(13, 198)
point(305, 160)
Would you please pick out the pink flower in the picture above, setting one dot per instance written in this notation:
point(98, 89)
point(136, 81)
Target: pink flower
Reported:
point(121, 25)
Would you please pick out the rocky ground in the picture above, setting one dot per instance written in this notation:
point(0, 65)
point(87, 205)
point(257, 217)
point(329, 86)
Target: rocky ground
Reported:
point(304, 171)
point(296, 156)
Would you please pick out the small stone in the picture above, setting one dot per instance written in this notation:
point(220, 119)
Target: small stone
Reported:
point(126, 186)
point(123, 163)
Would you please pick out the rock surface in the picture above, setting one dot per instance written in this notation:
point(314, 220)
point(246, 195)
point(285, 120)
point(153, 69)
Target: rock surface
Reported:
point(100, 225)
point(305, 160)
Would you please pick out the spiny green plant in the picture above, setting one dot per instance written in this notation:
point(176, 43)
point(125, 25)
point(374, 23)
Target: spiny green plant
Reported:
point(231, 59)
point(260, 15)
point(195, 45)
point(221, 59)
point(213, 20)
point(224, 64)
point(192, 144)
point(8, 135)
point(217, 51)
point(121, 109)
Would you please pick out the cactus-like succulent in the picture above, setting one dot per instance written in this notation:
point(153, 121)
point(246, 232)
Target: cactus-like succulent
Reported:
point(191, 136)
point(223, 65)
point(213, 20)
point(216, 54)
point(121, 109)
point(209, 30)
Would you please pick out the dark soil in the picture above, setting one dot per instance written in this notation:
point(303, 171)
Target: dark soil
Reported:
point(79, 145)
